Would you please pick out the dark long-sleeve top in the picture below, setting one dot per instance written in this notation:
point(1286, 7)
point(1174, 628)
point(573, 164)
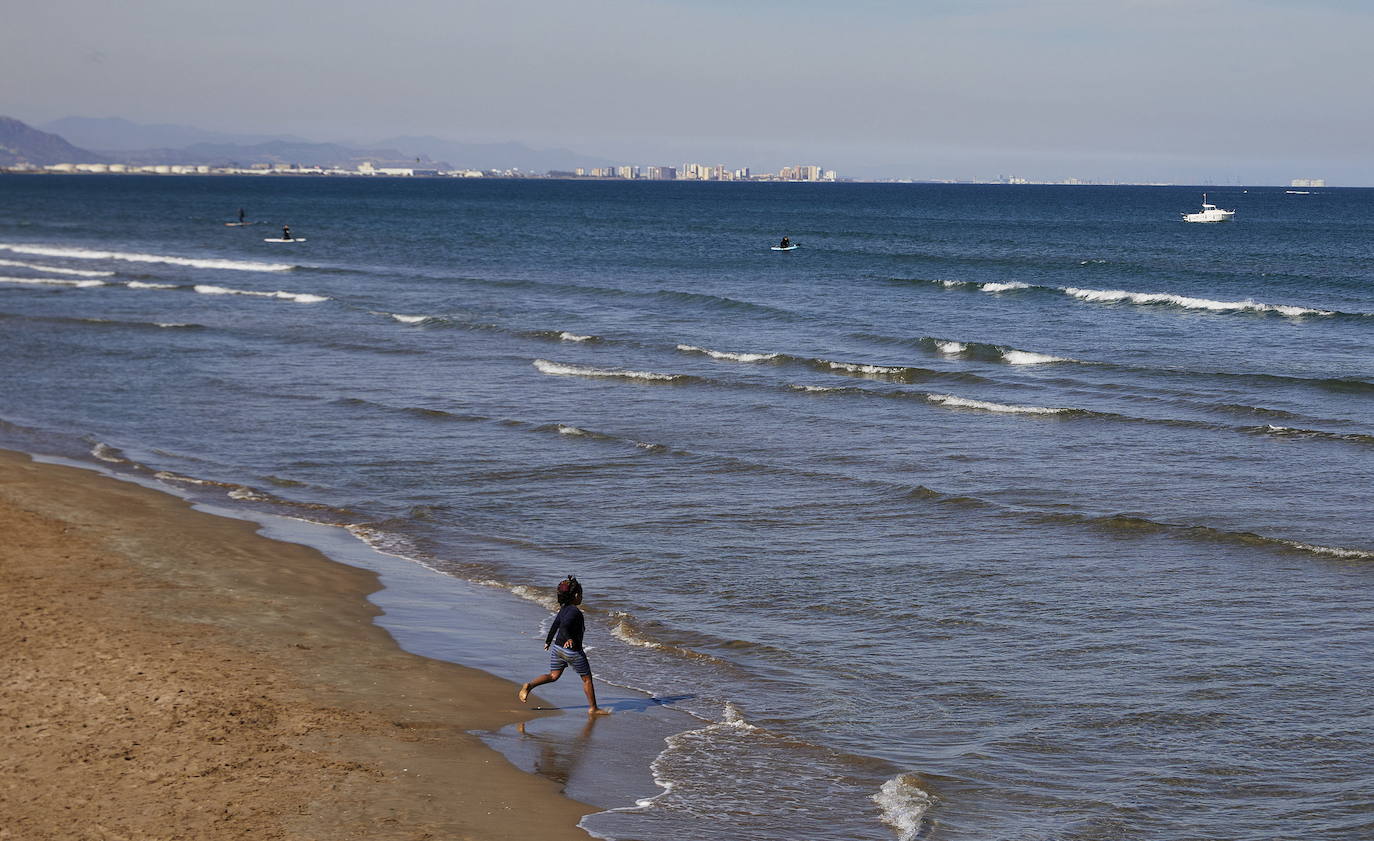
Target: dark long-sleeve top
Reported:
point(567, 628)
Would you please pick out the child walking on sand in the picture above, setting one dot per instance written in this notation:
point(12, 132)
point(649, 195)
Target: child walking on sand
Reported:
point(565, 637)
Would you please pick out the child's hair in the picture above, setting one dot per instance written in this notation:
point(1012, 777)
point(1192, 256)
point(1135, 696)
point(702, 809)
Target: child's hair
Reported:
point(569, 590)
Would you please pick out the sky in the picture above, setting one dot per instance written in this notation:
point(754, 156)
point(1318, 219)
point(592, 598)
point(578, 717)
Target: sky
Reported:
point(1184, 91)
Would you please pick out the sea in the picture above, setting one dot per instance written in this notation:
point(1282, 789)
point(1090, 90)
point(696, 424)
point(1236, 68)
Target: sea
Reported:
point(990, 513)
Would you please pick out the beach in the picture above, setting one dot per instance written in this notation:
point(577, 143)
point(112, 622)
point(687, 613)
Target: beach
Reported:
point(172, 674)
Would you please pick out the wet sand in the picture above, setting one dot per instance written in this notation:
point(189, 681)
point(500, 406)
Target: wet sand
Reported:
point(170, 674)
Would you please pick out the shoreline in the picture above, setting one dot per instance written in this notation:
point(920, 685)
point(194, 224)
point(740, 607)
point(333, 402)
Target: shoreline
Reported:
point(173, 673)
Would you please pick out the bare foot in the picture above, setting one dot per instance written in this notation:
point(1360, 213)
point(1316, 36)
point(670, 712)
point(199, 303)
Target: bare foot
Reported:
point(524, 693)
point(598, 711)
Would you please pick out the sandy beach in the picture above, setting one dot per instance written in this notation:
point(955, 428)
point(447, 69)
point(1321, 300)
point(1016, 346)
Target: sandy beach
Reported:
point(171, 674)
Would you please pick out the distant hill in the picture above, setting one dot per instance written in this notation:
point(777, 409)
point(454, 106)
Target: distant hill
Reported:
point(495, 155)
point(117, 140)
point(276, 152)
point(119, 134)
point(21, 143)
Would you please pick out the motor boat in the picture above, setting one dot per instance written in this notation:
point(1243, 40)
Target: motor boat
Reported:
point(1209, 213)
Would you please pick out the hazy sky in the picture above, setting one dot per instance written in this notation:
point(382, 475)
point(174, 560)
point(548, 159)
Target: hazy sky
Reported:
point(1177, 90)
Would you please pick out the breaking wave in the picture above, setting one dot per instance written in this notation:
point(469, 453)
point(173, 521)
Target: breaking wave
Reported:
point(904, 805)
point(298, 297)
point(730, 355)
point(1116, 296)
point(965, 403)
point(51, 281)
point(560, 369)
point(133, 257)
point(54, 269)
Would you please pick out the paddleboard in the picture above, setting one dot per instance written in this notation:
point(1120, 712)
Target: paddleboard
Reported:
point(238, 224)
point(788, 248)
point(279, 239)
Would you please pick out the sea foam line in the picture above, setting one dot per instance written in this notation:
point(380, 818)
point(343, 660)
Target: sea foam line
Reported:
point(51, 281)
point(966, 403)
point(135, 257)
point(729, 355)
point(54, 269)
point(1113, 296)
point(298, 297)
point(560, 369)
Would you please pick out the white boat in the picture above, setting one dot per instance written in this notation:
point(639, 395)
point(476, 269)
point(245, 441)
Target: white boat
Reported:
point(1209, 213)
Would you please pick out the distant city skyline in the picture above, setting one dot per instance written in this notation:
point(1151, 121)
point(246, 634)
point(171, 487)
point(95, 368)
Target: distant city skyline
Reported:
point(1231, 91)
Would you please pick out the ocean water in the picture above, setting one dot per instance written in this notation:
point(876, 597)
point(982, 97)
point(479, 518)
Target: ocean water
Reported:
point(989, 513)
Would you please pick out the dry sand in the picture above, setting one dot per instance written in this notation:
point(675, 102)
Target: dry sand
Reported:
point(169, 674)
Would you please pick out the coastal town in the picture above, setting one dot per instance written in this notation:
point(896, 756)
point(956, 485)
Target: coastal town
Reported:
point(685, 172)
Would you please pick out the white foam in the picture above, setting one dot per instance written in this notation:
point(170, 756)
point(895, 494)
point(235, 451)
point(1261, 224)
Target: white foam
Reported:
point(1026, 357)
point(54, 269)
point(564, 429)
point(1332, 551)
point(624, 633)
point(573, 337)
point(814, 389)
point(965, 403)
point(1117, 295)
point(298, 297)
point(410, 319)
point(175, 324)
point(951, 347)
point(105, 452)
point(904, 805)
point(560, 369)
point(134, 257)
point(139, 284)
point(537, 596)
point(51, 281)
point(732, 356)
point(854, 368)
point(950, 284)
point(1004, 287)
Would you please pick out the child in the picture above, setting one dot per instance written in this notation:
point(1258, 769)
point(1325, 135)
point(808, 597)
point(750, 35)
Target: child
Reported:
point(565, 635)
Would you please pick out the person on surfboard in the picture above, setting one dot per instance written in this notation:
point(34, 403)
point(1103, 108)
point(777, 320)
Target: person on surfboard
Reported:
point(565, 637)
point(286, 232)
point(240, 216)
point(786, 242)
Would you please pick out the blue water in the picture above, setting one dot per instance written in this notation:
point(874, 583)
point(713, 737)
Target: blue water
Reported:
point(989, 513)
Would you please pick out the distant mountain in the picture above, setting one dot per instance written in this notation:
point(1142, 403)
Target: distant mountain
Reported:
point(21, 143)
point(276, 152)
point(118, 140)
point(118, 134)
point(495, 155)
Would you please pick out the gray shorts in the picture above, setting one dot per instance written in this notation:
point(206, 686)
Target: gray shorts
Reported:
point(560, 658)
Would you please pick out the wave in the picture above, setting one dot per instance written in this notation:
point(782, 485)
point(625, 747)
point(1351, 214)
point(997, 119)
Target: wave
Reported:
point(559, 369)
point(52, 281)
point(140, 284)
point(965, 403)
point(134, 257)
point(1115, 296)
point(1137, 524)
point(730, 355)
point(54, 269)
point(1145, 298)
point(298, 297)
point(988, 352)
point(1291, 432)
point(904, 804)
point(411, 319)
